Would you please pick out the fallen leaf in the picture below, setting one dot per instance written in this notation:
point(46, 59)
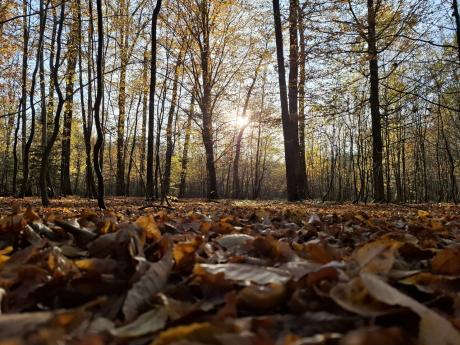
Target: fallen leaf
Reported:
point(151, 228)
point(147, 323)
point(447, 261)
point(244, 273)
point(433, 329)
point(152, 282)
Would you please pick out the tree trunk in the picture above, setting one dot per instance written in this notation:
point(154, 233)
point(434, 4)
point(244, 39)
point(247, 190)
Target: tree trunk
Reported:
point(205, 104)
point(145, 95)
point(25, 182)
point(377, 143)
point(133, 146)
point(302, 80)
point(97, 107)
point(290, 125)
point(23, 109)
point(188, 129)
point(44, 168)
point(169, 130)
point(72, 52)
point(236, 193)
point(457, 25)
point(120, 180)
point(153, 57)
point(87, 118)
point(15, 150)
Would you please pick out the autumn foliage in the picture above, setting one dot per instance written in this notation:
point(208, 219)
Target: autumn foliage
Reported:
point(229, 273)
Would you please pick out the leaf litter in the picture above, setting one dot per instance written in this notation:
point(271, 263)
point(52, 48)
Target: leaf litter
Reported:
point(228, 273)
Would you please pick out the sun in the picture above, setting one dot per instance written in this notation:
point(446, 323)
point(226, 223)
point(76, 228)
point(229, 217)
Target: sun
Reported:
point(242, 121)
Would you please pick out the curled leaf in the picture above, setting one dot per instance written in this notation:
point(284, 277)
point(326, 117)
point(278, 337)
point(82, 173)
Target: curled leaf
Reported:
point(433, 329)
point(152, 282)
point(147, 323)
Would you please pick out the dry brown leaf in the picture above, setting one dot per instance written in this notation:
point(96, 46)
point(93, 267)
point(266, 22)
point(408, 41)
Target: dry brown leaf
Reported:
point(434, 329)
point(151, 283)
point(196, 332)
point(447, 261)
point(245, 273)
point(150, 226)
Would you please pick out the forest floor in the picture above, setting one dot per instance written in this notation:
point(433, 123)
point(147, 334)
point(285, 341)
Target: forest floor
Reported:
point(228, 272)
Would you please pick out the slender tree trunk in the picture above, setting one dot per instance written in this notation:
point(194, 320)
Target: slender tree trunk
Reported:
point(184, 162)
point(302, 80)
point(153, 57)
point(236, 193)
point(72, 52)
point(169, 130)
point(44, 169)
point(23, 109)
point(120, 179)
point(133, 146)
point(457, 25)
point(97, 107)
point(377, 143)
point(15, 150)
point(87, 118)
point(145, 95)
point(25, 182)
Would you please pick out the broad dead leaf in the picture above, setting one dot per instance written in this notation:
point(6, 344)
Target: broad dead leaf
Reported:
point(151, 283)
point(245, 273)
point(434, 329)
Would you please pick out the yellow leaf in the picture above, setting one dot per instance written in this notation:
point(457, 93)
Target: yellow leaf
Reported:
point(148, 224)
point(422, 214)
point(195, 332)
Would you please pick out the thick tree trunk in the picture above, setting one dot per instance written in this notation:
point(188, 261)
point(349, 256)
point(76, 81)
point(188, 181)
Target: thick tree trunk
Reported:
point(72, 52)
point(150, 183)
point(290, 125)
point(377, 143)
point(205, 104)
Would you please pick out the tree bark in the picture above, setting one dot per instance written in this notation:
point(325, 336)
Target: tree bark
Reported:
point(72, 52)
point(145, 95)
point(25, 182)
point(120, 180)
point(377, 143)
point(205, 104)
point(150, 183)
point(302, 80)
point(97, 107)
point(87, 119)
point(23, 109)
point(290, 124)
point(184, 161)
point(457, 25)
point(169, 130)
point(44, 168)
